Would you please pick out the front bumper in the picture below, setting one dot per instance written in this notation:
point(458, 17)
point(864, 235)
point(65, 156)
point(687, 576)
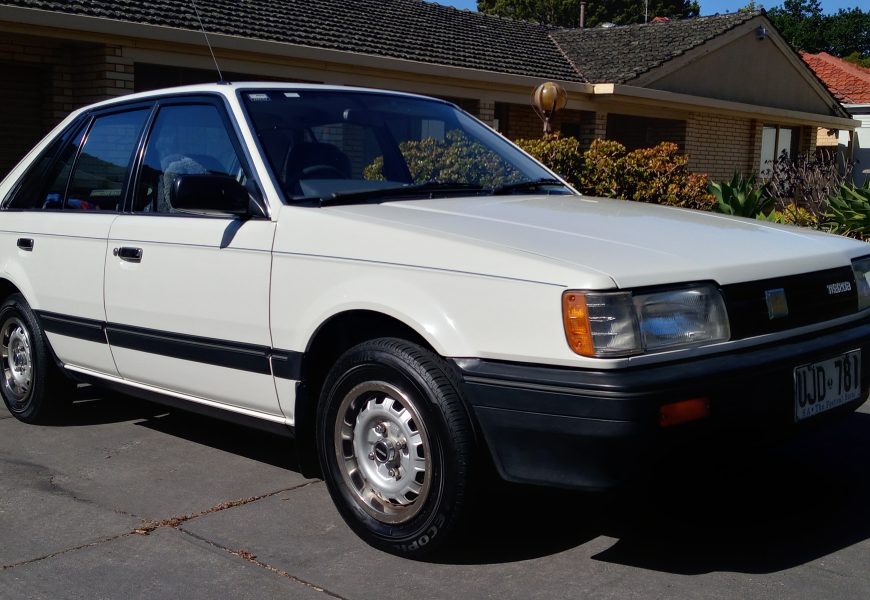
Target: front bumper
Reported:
point(587, 429)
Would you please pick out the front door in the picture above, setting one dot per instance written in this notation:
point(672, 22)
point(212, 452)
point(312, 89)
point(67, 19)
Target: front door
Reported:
point(187, 295)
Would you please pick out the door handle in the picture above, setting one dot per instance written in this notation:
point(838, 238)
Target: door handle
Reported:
point(26, 244)
point(129, 254)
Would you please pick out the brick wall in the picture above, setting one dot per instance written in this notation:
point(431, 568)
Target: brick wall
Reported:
point(45, 79)
point(719, 145)
point(827, 138)
point(808, 140)
point(99, 72)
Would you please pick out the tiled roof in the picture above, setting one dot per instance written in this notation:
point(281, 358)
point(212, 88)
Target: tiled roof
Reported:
point(424, 32)
point(619, 54)
point(848, 82)
point(407, 29)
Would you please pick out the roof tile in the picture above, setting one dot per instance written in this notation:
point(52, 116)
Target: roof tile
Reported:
point(849, 83)
point(424, 32)
point(619, 54)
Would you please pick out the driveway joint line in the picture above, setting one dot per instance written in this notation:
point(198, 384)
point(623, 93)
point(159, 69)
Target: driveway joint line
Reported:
point(251, 558)
point(174, 522)
point(66, 551)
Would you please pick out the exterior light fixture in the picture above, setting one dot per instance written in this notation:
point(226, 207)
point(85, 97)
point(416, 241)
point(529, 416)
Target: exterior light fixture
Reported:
point(760, 32)
point(547, 99)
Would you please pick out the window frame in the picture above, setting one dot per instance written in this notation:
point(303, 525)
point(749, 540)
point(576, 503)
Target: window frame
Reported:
point(240, 92)
point(94, 116)
point(235, 138)
point(763, 166)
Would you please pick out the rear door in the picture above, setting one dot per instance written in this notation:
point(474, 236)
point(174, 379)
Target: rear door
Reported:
point(56, 224)
point(187, 294)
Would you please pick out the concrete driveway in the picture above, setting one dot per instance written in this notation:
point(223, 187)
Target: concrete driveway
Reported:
point(129, 500)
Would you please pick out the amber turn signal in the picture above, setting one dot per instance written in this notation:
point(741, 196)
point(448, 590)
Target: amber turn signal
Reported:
point(575, 316)
point(684, 411)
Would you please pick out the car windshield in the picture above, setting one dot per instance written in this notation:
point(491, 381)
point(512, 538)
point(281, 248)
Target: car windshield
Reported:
point(353, 146)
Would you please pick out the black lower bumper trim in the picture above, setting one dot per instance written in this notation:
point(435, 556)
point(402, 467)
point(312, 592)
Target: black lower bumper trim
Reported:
point(594, 429)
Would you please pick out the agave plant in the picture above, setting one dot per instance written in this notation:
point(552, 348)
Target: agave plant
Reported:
point(741, 197)
point(849, 211)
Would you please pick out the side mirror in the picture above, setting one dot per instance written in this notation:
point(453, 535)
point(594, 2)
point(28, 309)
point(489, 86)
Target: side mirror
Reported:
point(211, 193)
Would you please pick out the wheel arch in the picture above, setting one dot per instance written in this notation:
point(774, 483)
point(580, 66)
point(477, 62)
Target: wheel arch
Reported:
point(7, 288)
point(330, 340)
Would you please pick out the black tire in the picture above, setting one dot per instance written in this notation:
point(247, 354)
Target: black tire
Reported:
point(31, 383)
point(390, 383)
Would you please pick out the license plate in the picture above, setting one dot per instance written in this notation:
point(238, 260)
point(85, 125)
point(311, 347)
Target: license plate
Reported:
point(826, 384)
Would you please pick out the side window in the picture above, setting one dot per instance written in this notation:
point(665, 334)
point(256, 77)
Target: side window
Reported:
point(185, 140)
point(52, 198)
point(98, 179)
point(45, 183)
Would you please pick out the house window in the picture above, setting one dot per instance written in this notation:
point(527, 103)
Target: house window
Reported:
point(777, 142)
point(636, 132)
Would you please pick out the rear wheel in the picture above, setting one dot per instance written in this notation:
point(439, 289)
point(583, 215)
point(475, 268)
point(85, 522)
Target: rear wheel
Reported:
point(395, 446)
point(30, 383)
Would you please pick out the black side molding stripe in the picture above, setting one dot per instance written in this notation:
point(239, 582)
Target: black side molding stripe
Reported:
point(285, 364)
point(243, 357)
point(83, 329)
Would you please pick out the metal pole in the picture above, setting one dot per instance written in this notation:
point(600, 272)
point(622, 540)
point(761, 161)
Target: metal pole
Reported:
point(582, 15)
point(645, 11)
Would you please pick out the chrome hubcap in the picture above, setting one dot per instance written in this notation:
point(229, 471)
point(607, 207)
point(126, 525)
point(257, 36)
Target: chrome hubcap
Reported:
point(383, 450)
point(17, 358)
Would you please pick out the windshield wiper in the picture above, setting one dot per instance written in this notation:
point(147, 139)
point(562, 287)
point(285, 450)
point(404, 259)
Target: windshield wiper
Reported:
point(425, 189)
point(531, 184)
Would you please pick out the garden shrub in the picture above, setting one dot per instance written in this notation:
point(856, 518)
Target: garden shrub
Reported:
point(741, 197)
point(562, 155)
point(796, 215)
point(848, 211)
point(602, 173)
point(659, 175)
point(807, 181)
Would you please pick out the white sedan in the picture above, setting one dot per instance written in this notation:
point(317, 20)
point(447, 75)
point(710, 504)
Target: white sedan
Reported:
point(409, 295)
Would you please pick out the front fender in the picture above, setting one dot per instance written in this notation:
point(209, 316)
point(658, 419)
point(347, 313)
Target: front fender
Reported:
point(458, 314)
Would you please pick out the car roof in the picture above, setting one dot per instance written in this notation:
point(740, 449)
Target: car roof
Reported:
point(229, 88)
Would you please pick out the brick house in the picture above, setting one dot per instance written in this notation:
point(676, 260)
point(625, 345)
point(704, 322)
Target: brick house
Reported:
point(726, 88)
point(850, 84)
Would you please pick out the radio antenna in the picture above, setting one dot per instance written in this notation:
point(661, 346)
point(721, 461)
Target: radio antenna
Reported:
point(207, 43)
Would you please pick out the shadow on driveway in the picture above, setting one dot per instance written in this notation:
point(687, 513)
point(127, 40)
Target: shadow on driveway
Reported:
point(94, 406)
point(751, 512)
point(754, 512)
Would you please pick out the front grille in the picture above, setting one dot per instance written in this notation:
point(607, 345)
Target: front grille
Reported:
point(808, 297)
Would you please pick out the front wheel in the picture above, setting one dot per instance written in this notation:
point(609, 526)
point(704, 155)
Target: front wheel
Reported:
point(395, 445)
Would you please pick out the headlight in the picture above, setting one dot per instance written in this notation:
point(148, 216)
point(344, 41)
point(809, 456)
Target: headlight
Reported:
point(861, 269)
point(609, 324)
